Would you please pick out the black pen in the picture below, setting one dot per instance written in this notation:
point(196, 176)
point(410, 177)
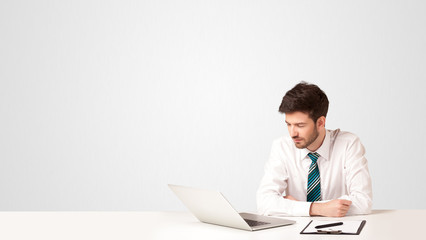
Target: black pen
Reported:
point(329, 225)
point(330, 232)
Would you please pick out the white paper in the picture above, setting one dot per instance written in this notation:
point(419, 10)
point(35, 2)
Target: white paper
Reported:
point(347, 227)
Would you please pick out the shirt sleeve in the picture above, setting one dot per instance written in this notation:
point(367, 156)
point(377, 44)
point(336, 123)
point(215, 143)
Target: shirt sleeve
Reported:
point(270, 199)
point(358, 180)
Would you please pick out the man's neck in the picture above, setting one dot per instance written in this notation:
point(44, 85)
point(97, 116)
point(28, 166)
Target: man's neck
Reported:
point(318, 142)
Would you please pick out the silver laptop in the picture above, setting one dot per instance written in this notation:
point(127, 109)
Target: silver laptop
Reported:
point(212, 207)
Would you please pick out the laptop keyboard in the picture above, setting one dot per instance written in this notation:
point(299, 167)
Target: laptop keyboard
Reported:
point(253, 223)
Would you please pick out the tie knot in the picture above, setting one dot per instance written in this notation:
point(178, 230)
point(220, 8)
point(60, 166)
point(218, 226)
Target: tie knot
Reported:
point(313, 156)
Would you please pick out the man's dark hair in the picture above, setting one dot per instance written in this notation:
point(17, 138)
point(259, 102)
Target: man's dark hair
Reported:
point(307, 98)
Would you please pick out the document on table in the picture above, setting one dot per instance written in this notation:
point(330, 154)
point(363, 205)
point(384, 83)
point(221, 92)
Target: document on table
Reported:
point(348, 227)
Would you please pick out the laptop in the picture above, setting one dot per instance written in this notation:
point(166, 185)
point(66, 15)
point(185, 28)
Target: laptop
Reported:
point(212, 207)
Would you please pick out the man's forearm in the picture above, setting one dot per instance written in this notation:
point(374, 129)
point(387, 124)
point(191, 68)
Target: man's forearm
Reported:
point(333, 208)
point(274, 204)
point(361, 204)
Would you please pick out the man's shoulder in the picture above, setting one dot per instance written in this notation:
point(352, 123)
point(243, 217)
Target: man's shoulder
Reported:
point(343, 137)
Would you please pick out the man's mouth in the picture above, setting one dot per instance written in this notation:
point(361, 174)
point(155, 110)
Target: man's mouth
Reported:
point(297, 139)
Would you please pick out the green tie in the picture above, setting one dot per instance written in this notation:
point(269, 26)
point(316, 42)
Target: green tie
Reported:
point(314, 180)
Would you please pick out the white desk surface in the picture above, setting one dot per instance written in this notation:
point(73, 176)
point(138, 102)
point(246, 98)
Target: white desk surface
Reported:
point(381, 224)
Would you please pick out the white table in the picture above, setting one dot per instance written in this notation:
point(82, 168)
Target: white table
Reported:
point(381, 224)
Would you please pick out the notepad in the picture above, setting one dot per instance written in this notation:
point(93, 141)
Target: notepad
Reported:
point(352, 227)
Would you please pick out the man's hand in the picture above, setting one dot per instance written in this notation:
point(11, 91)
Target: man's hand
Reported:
point(289, 197)
point(333, 208)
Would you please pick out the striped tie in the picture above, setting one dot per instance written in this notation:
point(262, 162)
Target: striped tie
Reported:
point(314, 181)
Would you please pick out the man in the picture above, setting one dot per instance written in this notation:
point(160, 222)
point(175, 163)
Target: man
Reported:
point(315, 171)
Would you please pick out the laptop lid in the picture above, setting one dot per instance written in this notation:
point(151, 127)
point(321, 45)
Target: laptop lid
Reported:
point(212, 207)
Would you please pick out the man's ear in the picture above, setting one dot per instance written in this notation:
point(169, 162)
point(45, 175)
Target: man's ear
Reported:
point(321, 122)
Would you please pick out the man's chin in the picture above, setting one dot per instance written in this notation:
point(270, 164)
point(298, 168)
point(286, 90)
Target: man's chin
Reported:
point(299, 145)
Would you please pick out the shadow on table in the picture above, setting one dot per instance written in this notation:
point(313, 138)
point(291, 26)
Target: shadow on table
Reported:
point(384, 211)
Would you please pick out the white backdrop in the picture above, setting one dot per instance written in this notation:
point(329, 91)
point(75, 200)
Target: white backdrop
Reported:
point(102, 103)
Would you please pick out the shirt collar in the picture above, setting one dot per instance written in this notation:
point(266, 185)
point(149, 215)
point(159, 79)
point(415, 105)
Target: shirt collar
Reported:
point(323, 150)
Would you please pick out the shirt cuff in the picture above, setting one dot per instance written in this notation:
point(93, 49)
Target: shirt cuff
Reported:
point(300, 208)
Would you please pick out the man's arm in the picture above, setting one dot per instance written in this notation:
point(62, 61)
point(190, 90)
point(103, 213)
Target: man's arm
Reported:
point(269, 195)
point(358, 180)
point(333, 208)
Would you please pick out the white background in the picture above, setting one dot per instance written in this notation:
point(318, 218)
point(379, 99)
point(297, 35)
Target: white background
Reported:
point(102, 103)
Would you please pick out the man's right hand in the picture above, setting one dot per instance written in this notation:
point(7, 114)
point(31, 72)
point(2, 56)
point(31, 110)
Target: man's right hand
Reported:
point(333, 208)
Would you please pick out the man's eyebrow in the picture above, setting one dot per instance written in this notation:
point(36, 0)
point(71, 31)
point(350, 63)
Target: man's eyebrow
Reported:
point(298, 123)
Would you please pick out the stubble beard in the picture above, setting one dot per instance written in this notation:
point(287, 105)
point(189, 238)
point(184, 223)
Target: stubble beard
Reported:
point(309, 141)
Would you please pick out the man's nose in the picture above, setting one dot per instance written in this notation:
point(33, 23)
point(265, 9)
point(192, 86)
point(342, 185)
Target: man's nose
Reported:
point(293, 132)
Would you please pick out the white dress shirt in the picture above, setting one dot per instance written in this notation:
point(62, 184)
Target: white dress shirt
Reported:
point(343, 171)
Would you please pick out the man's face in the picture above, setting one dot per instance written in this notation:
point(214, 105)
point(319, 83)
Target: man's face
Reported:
point(301, 128)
